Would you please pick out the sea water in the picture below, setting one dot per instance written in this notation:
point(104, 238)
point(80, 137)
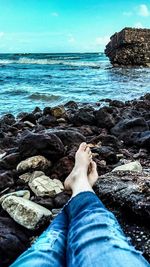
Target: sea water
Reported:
point(30, 80)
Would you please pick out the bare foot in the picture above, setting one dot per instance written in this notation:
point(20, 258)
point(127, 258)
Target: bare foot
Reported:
point(77, 181)
point(92, 173)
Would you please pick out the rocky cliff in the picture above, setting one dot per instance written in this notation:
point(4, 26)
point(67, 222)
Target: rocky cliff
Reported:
point(129, 47)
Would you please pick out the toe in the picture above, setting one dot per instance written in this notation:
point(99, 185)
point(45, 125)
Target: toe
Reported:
point(82, 146)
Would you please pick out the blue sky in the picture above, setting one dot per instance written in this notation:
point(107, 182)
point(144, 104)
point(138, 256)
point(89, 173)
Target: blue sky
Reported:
point(66, 25)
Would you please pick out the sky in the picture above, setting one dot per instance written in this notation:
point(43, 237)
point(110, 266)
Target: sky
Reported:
point(60, 26)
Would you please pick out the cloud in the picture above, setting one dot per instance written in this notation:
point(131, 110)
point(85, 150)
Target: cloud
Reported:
point(54, 14)
point(127, 13)
point(138, 25)
point(143, 11)
point(1, 34)
point(102, 40)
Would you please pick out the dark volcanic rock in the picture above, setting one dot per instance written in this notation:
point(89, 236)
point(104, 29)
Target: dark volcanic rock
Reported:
point(8, 119)
point(29, 117)
point(61, 199)
point(13, 241)
point(10, 161)
point(141, 139)
point(68, 137)
point(6, 180)
point(107, 153)
point(128, 126)
point(104, 118)
point(48, 145)
point(83, 116)
point(62, 168)
point(48, 120)
point(46, 202)
point(130, 190)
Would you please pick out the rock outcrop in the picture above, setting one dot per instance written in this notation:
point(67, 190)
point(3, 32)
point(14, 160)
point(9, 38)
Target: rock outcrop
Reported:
point(129, 47)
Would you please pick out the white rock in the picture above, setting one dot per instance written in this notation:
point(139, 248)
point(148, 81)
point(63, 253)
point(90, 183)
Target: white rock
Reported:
point(33, 163)
point(25, 212)
point(22, 193)
point(29, 175)
point(134, 166)
point(30, 124)
point(44, 186)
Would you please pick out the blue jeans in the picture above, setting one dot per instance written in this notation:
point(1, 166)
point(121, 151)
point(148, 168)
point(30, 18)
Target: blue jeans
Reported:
point(84, 234)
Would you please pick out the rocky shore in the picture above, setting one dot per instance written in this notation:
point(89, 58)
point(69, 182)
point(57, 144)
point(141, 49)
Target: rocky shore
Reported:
point(37, 153)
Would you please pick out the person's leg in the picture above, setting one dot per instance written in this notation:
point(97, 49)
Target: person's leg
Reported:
point(49, 250)
point(94, 237)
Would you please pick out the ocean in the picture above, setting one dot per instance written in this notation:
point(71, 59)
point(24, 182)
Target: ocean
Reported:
point(30, 80)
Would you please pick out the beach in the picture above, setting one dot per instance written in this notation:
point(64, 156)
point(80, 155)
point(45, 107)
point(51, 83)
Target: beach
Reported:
point(39, 146)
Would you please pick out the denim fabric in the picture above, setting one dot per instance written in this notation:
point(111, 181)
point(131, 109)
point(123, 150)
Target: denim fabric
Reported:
point(84, 234)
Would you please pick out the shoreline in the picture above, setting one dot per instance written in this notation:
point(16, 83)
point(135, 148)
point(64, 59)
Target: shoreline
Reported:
point(119, 133)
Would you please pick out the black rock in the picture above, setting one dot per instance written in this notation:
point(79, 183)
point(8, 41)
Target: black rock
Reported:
point(61, 199)
point(83, 116)
point(48, 145)
point(107, 153)
point(6, 180)
point(48, 120)
point(104, 118)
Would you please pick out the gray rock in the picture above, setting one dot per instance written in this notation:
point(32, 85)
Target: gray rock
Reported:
point(30, 175)
point(22, 193)
point(44, 186)
point(36, 162)
point(25, 212)
point(134, 166)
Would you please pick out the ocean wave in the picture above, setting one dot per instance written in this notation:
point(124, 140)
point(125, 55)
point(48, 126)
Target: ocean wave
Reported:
point(44, 97)
point(25, 60)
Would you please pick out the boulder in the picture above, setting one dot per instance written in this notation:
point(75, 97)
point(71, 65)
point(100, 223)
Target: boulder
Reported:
point(125, 127)
point(104, 118)
point(61, 199)
point(130, 190)
point(34, 163)
point(44, 186)
point(30, 175)
point(58, 111)
point(25, 212)
point(47, 120)
point(134, 166)
point(107, 153)
point(6, 180)
point(62, 168)
point(68, 137)
point(48, 145)
point(22, 193)
point(83, 116)
point(141, 139)
point(14, 240)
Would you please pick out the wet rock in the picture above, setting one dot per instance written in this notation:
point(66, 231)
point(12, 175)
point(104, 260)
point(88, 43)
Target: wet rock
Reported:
point(44, 186)
point(61, 199)
point(116, 103)
point(134, 166)
point(104, 118)
point(106, 140)
point(14, 239)
point(126, 127)
point(35, 163)
point(48, 145)
point(6, 180)
point(27, 213)
point(58, 111)
point(68, 137)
